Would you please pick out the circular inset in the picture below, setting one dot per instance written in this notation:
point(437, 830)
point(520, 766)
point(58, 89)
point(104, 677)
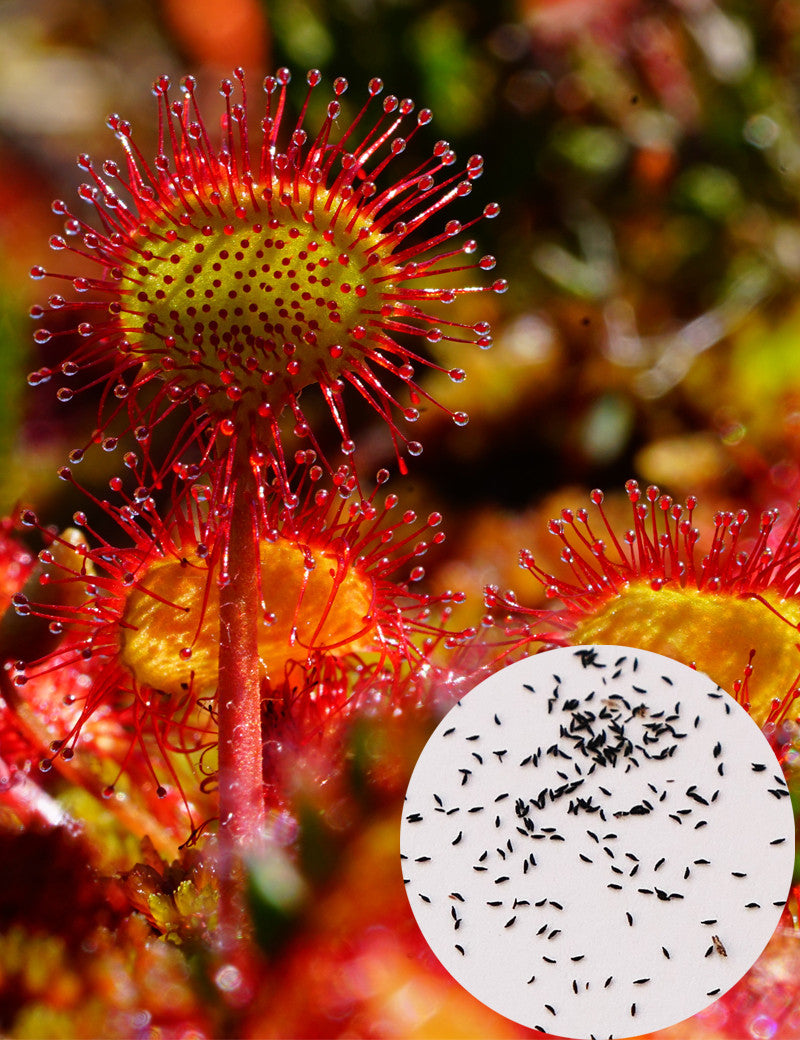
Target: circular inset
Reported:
point(597, 842)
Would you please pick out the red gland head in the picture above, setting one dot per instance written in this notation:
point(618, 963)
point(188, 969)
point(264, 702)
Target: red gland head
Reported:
point(238, 277)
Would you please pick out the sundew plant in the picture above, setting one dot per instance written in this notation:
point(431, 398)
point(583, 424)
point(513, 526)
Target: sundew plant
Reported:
point(229, 617)
point(227, 280)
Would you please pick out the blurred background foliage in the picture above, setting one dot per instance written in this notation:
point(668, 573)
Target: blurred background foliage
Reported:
point(647, 158)
point(646, 154)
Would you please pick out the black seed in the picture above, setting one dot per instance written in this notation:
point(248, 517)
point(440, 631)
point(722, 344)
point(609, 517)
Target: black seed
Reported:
point(585, 858)
point(713, 992)
point(579, 957)
point(550, 960)
point(437, 799)
point(758, 767)
point(630, 918)
point(574, 986)
point(457, 839)
point(665, 951)
point(660, 863)
point(425, 899)
point(550, 1008)
point(778, 841)
point(554, 933)
point(510, 922)
point(497, 720)
point(543, 929)
point(607, 983)
point(633, 1010)
point(738, 873)
point(500, 880)
point(751, 906)
point(447, 732)
point(422, 859)
point(458, 896)
point(500, 797)
point(640, 982)
point(475, 736)
point(414, 818)
point(531, 979)
point(460, 949)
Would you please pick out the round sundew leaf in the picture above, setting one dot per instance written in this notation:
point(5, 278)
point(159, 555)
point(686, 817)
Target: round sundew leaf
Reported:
point(597, 841)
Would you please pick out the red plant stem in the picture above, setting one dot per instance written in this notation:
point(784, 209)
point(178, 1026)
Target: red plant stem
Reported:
point(241, 788)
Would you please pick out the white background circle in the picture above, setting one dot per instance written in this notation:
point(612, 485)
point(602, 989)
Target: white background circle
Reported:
point(597, 842)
